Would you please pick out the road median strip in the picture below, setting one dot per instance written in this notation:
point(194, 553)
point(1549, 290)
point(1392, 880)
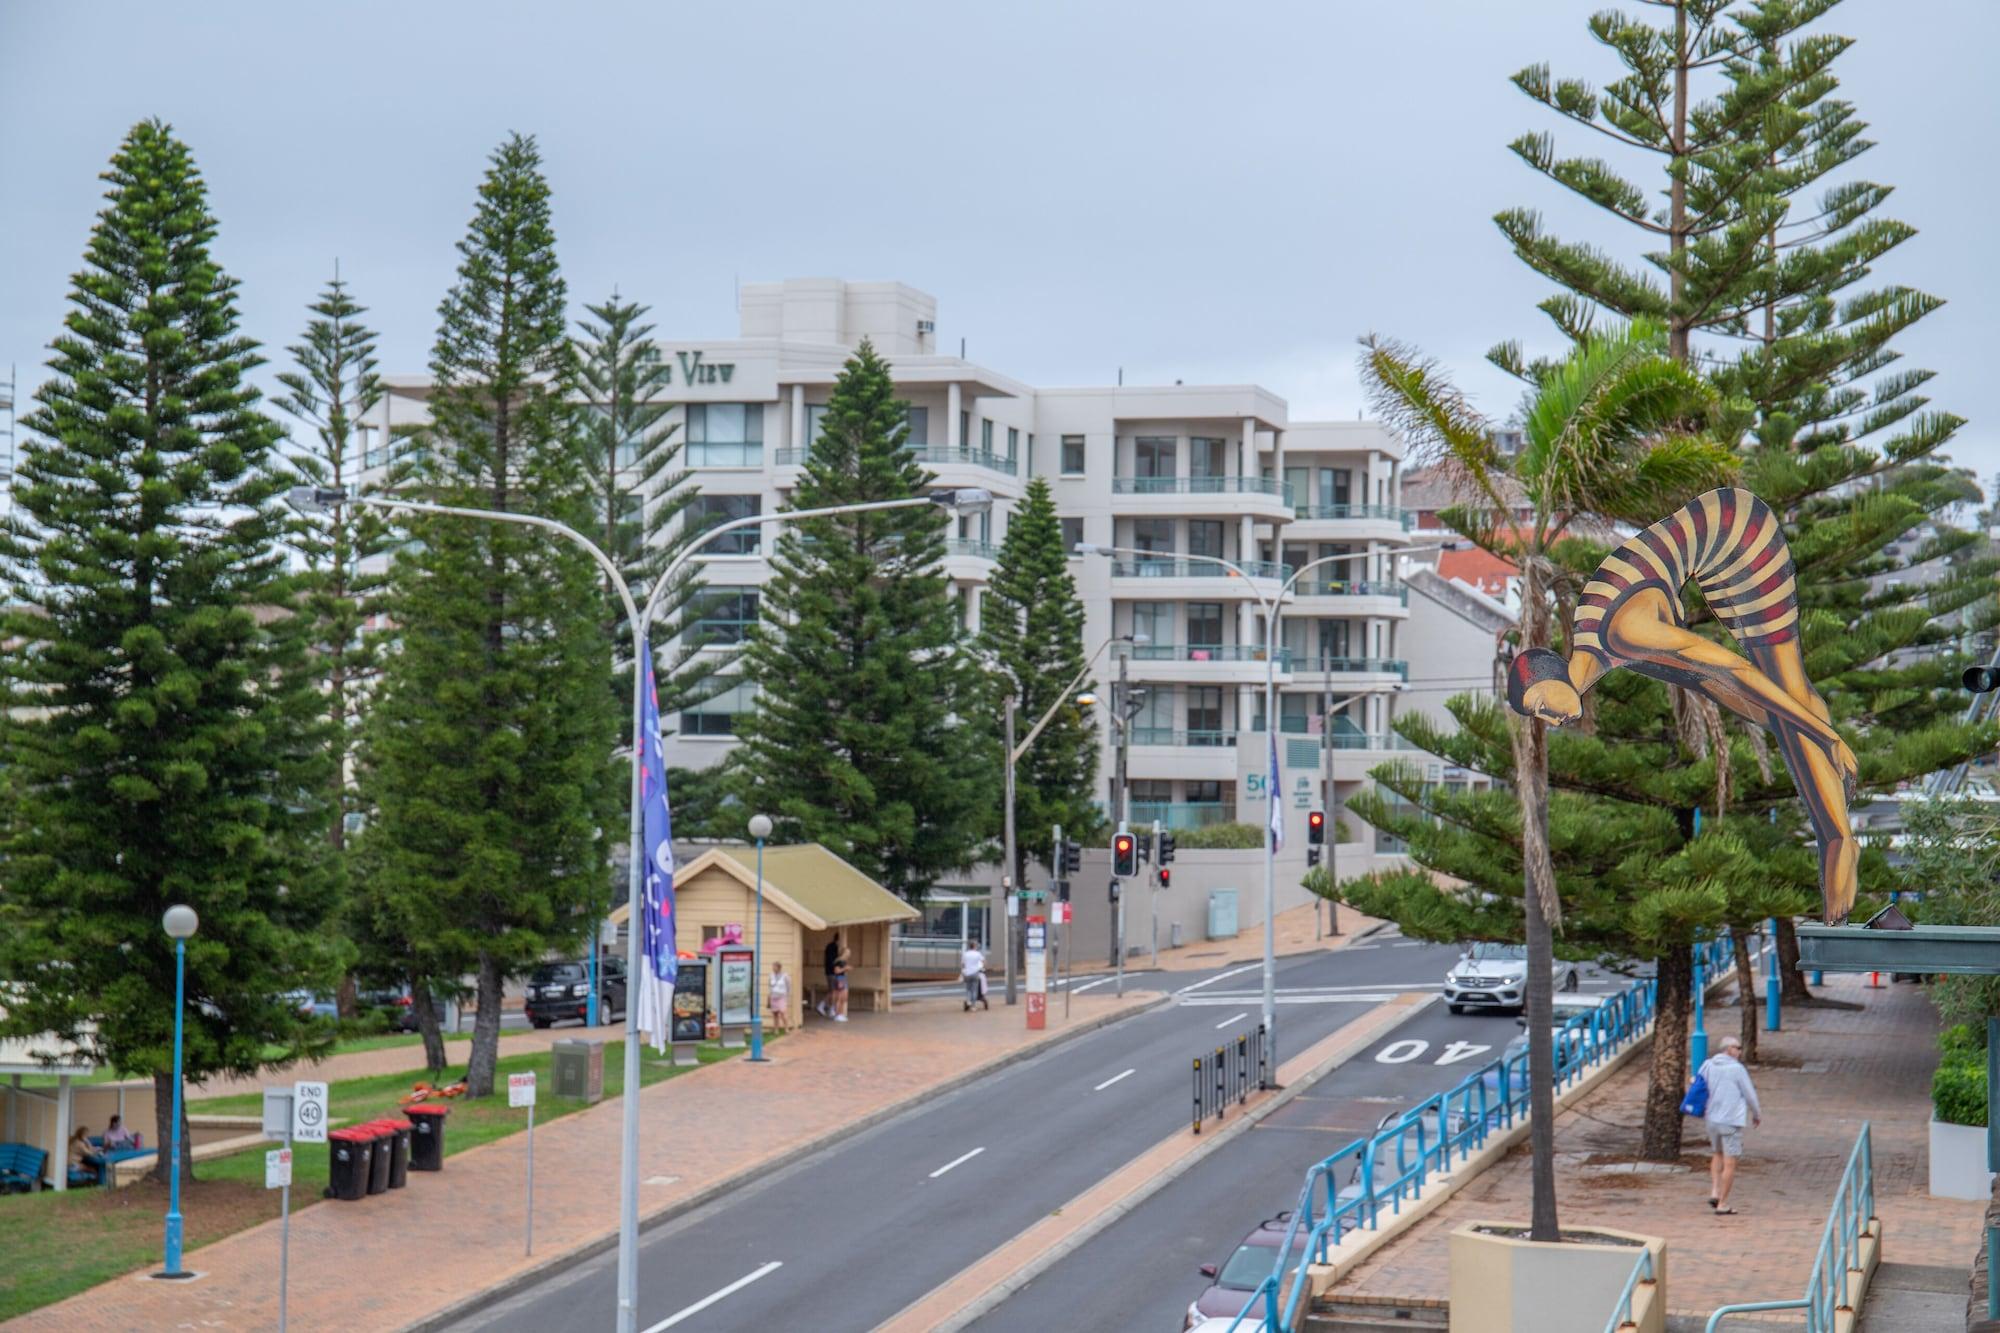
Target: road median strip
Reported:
point(976, 1290)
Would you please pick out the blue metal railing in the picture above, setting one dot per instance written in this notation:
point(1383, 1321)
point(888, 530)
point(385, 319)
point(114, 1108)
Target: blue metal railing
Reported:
point(1621, 1313)
point(1394, 1164)
point(1839, 1246)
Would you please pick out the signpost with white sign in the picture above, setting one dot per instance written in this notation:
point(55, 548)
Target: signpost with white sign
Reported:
point(521, 1092)
point(309, 1112)
point(294, 1114)
point(278, 1168)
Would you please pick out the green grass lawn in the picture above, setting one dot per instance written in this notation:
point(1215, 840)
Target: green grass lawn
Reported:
point(345, 1046)
point(55, 1245)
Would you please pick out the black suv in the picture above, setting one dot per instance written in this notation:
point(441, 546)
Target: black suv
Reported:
point(561, 991)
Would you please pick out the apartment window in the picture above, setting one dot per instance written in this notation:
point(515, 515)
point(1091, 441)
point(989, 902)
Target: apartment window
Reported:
point(1072, 456)
point(725, 434)
point(1344, 721)
point(1208, 793)
point(1205, 537)
point(1153, 456)
point(1208, 457)
point(1072, 534)
point(725, 615)
point(1298, 485)
point(1298, 558)
point(1155, 620)
point(1156, 710)
point(964, 429)
point(1204, 715)
point(1204, 624)
point(1013, 442)
point(986, 436)
point(1153, 535)
point(716, 716)
point(815, 422)
point(1333, 486)
point(708, 511)
point(1333, 638)
point(920, 428)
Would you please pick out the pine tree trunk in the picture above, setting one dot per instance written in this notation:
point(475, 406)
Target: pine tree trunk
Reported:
point(346, 998)
point(163, 1114)
point(1661, 1140)
point(1538, 892)
point(1679, 343)
point(485, 1029)
point(428, 1025)
point(1746, 995)
point(1791, 981)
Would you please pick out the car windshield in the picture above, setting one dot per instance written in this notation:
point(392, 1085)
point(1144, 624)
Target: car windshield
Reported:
point(1251, 1264)
point(550, 973)
point(1488, 951)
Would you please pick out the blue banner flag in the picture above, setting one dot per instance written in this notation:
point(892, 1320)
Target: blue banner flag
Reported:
point(1277, 799)
point(656, 914)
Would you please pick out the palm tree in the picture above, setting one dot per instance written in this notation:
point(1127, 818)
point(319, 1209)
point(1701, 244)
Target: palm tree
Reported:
point(1618, 432)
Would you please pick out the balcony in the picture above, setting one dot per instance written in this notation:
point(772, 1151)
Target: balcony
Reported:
point(1177, 815)
point(1188, 739)
point(725, 453)
point(1390, 589)
point(1255, 497)
point(1336, 513)
point(1177, 567)
point(971, 548)
point(1201, 486)
point(931, 455)
point(1208, 652)
point(1376, 666)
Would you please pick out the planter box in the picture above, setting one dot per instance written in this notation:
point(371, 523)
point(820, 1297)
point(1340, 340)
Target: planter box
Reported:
point(1500, 1284)
point(1958, 1162)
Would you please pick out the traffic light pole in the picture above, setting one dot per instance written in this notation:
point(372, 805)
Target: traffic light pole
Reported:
point(1154, 898)
point(1007, 885)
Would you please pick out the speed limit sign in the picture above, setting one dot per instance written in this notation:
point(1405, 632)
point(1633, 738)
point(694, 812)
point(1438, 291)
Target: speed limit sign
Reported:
point(309, 1112)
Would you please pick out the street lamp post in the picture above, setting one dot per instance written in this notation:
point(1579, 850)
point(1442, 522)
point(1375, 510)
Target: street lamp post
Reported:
point(760, 829)
point(1272, 607)
point(180, 923)
point(318, 499)
point(1327, 709)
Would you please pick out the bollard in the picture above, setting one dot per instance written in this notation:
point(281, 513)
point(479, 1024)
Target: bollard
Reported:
point(1197, 1095)
point(1221, 1082)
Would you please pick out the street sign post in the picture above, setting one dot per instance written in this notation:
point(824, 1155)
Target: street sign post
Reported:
point(309, 1112)
point(521, 1092)
point(277, 1168)
point(1038, 977)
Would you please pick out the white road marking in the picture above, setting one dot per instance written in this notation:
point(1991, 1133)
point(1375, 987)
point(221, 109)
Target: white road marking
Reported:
point(706, 1301)
point(1366, 997)
point(1227, 1021)
point(1113, 1079)
point(1460, 1050)
point(1409, 944)
point(1326, 990)
point(1410, 1048)
point(1078, 990)
point(1220, 976)
point(956, 1161)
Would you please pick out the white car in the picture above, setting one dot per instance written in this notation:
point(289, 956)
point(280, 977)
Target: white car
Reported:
point(1494, 976)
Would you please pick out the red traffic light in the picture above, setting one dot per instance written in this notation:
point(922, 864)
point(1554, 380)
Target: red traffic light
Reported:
point(1316, 827)
point(1166, 877)
point(1124, 854)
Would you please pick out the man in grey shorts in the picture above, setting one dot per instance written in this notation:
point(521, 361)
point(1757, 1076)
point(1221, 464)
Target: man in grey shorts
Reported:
point(1732, 1102)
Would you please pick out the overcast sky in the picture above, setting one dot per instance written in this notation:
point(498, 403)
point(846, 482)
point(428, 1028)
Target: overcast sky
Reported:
point(1186, 190)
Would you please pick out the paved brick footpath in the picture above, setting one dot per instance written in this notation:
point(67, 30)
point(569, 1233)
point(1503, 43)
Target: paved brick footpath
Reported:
point(390, 1260)
point(1827, 1072)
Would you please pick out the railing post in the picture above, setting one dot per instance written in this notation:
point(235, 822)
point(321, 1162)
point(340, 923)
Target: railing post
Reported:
point(1221, 1082)
point(1197, 1095)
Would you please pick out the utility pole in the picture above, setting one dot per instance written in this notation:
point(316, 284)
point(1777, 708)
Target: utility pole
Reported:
point(1121, 711)
point(1007, 886)
point(1154, 875)
point(1332, 808)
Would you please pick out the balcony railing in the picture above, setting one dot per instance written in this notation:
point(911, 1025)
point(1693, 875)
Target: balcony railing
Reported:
point(1197, 739)
point(973, 547)
point(1173, 567)
point(1201, 486)
point(1319, 587)
point(931, 454)
point(1377, 665)
point(1208, 652)
point(727, 453)
point(1392, 513)
point(1180, 815)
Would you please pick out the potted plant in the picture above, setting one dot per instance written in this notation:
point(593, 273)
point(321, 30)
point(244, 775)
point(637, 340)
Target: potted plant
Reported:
point(1958, 1117)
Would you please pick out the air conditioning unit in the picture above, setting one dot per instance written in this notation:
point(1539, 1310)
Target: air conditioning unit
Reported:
point(925, 326)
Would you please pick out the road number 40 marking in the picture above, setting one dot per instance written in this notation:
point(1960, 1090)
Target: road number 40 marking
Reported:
point(1413, 1048)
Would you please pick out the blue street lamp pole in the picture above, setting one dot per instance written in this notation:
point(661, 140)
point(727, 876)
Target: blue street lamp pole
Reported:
point(179, 922)
point(760, 829)
point(1698, 1039)
point(1771, 986)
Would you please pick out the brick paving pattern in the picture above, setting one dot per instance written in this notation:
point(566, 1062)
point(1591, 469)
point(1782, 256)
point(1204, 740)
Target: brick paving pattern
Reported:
point(1822, 1076)
point(387, 1261)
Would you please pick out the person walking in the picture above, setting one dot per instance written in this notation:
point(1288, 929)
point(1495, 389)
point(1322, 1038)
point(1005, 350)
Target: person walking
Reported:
point(778, 993)
point(972, 970)
point(1732, 1103)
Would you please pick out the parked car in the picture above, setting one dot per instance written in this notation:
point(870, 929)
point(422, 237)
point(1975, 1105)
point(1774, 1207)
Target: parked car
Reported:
point(394, 1004)
point(1232, 1281)
point(558, 992)
point(310, 1005)
point(1490, 975)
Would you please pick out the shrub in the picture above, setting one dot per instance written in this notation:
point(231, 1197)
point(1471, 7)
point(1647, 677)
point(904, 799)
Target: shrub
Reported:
point(1232, 836)
point(1962, 1038)
point(1958, 1091)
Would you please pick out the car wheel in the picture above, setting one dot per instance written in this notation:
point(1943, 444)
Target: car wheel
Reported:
point(538, 1023)
point(1456, 1008)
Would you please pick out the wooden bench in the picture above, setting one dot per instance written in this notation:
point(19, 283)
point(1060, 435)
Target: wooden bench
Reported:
point(21, 1166)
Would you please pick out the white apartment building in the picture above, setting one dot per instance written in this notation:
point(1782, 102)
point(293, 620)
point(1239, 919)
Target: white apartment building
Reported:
point(1167, 474)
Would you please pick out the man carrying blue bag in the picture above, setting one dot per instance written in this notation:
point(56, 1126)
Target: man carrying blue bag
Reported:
point(1722, 1095)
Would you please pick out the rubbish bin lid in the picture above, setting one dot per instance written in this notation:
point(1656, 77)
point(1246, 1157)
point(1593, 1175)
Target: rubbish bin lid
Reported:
point(349, 1134)
point(427, 1108)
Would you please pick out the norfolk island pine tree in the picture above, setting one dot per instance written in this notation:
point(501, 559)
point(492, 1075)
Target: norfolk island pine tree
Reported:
point(488, 756)
point(162, 737)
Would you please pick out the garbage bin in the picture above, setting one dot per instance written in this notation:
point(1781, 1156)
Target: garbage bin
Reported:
point(578, 1067)
point(399, 1152)
point(427, 1135)
point(384, 1142)
point(350, 1157)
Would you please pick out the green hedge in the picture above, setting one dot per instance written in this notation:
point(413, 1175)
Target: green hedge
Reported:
point(1958, 1089)
point(1233, 836)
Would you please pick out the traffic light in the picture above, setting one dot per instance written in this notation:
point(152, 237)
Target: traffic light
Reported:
point(1980, 679)
point(1114, 890)
point(1072, 858)
point(1146, 846)
point(1312, 857)
point(1166, 849)
point(1316, 827)
point(1062, 890)
point(1166, 877)
point(1124, 855)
